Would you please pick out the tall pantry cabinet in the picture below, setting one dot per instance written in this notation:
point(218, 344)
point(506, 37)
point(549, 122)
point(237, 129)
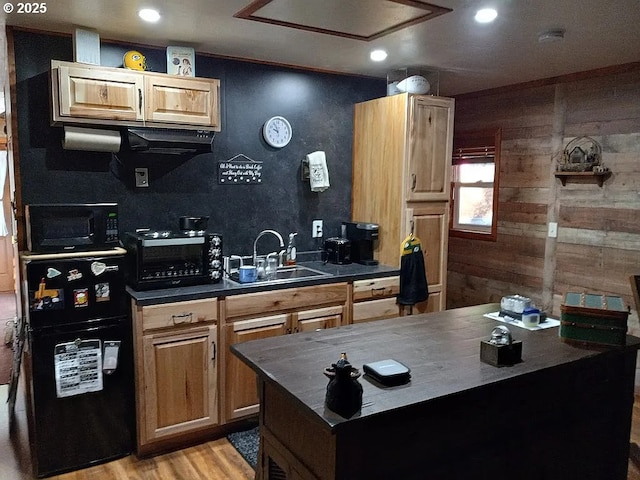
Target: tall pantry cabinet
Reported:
point(402, 149)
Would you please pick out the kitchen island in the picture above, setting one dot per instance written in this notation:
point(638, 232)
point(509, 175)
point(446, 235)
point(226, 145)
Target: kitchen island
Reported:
point(564, 412)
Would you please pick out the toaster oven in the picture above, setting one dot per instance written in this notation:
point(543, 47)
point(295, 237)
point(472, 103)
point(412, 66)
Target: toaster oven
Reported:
point(165, 259)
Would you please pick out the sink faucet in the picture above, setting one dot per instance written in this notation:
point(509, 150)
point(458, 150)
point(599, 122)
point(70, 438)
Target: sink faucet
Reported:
point(255, 243)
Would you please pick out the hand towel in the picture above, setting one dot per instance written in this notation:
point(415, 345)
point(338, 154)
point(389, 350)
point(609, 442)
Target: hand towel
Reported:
point(318, 171)
point(413, 277)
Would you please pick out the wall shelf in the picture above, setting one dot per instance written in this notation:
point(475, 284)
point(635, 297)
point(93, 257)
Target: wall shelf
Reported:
point(600, 177)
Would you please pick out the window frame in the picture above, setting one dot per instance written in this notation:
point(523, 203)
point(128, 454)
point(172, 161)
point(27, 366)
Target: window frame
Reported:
point(479, 144)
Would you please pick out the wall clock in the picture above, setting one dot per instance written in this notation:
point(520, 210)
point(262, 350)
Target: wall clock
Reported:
point(277, 132)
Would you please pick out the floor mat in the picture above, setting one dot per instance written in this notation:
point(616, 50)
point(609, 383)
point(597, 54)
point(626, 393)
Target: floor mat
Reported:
point(246, 443)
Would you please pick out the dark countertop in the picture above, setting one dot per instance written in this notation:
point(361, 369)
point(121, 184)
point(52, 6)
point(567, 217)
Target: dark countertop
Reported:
point(441, 349)
point(338, 273)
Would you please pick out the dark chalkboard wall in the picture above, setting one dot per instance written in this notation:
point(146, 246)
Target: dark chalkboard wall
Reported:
point(319, 107)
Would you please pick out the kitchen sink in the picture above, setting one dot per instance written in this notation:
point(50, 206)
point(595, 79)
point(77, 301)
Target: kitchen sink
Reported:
point(285, 274)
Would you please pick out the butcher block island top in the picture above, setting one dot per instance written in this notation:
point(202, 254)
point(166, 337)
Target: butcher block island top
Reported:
point(563, 412)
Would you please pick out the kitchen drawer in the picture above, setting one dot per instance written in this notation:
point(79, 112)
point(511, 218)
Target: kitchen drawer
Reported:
point(261, 322)
point(261, 303)
point(376, 288)
point(179, 313)
point(375, 310)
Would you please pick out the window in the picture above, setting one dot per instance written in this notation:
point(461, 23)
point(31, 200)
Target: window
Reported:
point(474, 185)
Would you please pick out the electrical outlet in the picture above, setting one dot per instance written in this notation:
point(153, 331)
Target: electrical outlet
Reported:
point(316, 229)
point(142, 177)
point(553, 229)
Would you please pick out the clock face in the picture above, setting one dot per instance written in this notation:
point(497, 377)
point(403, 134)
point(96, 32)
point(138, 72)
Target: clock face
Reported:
point(277, 132)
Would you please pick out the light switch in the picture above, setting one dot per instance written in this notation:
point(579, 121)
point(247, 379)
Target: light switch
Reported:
point(553, 229)
point(316, 229)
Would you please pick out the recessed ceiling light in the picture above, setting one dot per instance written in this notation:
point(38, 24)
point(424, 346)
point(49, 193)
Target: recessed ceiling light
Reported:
point(149, 15)
point(486, 15)
point(378, 55)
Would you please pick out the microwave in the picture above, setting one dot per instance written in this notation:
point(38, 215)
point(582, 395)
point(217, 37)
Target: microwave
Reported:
point(70, 227)
point(166, 259)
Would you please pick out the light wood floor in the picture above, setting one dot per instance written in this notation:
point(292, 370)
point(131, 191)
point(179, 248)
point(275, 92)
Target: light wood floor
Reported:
point(216, 460)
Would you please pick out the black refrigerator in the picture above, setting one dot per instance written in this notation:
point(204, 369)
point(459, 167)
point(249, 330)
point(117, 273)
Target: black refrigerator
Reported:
point(80, 356)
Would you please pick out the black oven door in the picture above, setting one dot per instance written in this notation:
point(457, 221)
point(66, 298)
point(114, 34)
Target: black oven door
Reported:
point(165, 263)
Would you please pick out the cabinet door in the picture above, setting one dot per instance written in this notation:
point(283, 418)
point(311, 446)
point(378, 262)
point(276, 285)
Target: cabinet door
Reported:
point(106, 94)
point(375, 310)
point(317, 319)
point(430, 148)
point(180, 381)
point(430, 224)
point(180, 100)
point(241, 392)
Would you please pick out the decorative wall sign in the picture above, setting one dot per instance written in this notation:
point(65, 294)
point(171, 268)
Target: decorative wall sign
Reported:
point(181, 61)
point(237, 171)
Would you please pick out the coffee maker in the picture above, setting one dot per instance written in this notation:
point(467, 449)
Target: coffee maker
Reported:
point(362, 236)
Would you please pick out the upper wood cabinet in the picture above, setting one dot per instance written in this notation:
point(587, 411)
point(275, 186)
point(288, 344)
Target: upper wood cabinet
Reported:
point(91, 94)
point(429, 148)
point(171, 99)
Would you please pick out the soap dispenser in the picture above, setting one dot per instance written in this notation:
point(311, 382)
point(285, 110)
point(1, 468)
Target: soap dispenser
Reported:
point(291, 249)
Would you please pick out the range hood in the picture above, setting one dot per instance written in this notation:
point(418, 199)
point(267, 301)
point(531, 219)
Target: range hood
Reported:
point(138, 140)
point(167, 141)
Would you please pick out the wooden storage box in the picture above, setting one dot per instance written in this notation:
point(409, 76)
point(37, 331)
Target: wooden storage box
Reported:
point(593, 319)
point(501, 355)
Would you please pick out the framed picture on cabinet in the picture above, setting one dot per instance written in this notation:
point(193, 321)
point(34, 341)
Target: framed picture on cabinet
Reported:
point(181, 61)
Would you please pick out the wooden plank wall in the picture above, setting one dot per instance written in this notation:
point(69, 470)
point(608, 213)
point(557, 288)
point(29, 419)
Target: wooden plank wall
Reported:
point(598, 243)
